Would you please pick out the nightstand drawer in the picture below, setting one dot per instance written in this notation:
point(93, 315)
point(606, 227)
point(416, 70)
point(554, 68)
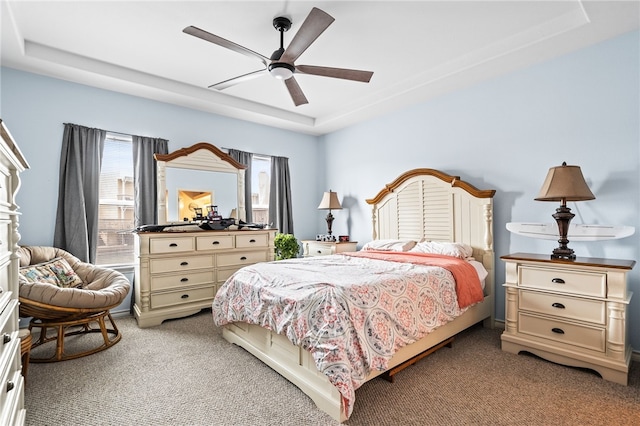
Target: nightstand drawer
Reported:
point(318, 250)
point(564, 332)
point(561, 280)
point(563, 306)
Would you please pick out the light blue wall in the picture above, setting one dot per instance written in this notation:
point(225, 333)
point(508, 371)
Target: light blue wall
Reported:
point(35, 107)
point(504, 134)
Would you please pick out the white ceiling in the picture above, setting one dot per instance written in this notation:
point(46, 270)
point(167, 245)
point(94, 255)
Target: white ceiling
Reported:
point(416, 49)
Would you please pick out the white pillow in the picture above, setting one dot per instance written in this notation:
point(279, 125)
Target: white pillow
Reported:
point(389, 245)
point(460, 250)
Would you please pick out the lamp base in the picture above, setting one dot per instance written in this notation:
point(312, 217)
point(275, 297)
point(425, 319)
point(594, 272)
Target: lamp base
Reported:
point(560, 253)
point(563, 217)
point(329, 220)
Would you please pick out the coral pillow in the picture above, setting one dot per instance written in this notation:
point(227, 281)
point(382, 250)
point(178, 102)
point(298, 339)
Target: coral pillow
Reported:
point(56, 271)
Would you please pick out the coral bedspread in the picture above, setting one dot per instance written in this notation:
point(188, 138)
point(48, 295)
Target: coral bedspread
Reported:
point(352, 312)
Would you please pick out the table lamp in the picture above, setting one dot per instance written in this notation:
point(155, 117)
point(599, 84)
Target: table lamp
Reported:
point(329, 202)
point(564, 183)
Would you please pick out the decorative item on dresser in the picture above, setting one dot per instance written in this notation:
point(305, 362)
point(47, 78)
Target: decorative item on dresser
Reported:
point(572, 312)
point(12, 163)
point(329, 202)
point(179, 273)
point(312, 248)
point(564, 183)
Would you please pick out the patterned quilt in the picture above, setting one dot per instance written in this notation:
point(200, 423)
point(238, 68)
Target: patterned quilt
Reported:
point(352, 313)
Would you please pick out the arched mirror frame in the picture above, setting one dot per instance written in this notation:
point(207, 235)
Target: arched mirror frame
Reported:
point(201, 156)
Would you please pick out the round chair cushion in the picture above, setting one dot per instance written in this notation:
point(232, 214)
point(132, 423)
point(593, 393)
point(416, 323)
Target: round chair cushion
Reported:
point(101, 288)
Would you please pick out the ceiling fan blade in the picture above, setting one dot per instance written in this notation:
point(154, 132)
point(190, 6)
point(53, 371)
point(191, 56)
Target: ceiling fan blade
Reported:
point(212, 38)
point(317, 21)
point(344, 73)
point(240, 79)
point(295, 91)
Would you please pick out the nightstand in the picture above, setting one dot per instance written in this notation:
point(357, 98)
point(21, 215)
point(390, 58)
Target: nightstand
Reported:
point(312, 248)
point(569, 312)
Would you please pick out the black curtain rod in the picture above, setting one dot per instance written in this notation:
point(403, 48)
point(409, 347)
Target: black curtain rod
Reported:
point(109, 131)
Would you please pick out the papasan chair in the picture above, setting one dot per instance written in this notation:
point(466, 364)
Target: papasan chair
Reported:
point(67, 297)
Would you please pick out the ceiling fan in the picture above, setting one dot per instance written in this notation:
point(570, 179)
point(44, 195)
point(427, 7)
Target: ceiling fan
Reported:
point(281, 64)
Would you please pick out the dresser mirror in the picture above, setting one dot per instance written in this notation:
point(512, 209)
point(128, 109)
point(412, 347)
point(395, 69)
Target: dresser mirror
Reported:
point(199, 171)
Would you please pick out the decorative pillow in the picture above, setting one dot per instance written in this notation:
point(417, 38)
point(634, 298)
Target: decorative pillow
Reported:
point(460, 250)
point(56, 271)
point(389, 245)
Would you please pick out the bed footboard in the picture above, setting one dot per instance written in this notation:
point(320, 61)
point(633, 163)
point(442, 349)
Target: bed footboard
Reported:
point(297, 365)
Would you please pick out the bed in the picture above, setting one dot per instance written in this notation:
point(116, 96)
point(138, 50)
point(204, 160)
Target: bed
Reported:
point(421, 205)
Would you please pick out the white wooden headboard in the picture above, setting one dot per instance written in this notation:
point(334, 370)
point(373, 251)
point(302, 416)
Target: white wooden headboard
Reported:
point(432, 205)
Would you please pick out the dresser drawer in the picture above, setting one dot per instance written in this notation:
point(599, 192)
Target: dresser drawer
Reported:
point(162, 300)
point(241, 258)
point(565, 281)
point(252, 240)
point(222, 242)
point(560, 331)
point(593, 311)
point(183, 263)
point(181, 280)
point(224, 274)
point(171, 245)
point(9, 374)
point(8, 323)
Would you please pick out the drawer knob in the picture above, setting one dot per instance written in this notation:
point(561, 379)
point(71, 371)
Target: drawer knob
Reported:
point(557, 281)
point(243, 258)
point(173, 245)
point(184, 296)
point(184, 263)
point(557, 330)
point(215, 243)
point(558, 305)
point(10, 385)
point(319, 251)
point(6, 338)
point(184, 280)
point(252, 240)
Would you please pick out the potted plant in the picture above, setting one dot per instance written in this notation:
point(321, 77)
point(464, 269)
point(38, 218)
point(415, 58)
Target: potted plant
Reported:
point(286, 246)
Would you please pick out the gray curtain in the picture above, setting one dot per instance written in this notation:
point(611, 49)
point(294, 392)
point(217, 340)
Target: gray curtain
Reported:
point(245, 158)
point(280, 211)
point(76, 228)
point(144, 177)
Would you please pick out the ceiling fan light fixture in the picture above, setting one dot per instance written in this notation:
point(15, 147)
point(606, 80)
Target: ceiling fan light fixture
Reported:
point(281, 70)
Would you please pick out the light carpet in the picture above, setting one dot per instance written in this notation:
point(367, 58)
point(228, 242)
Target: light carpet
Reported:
point(184, 373)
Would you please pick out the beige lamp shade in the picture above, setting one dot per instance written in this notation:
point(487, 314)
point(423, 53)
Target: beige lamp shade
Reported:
point(565, 183)
point(330, 201)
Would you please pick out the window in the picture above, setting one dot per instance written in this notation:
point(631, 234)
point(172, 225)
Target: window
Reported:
point(260, 183)
point(115, 212)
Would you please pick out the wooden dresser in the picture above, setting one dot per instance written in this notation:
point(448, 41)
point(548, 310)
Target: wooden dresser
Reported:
point(12, 163)
point(570, 312)
point(179, 273)
point(311, 248)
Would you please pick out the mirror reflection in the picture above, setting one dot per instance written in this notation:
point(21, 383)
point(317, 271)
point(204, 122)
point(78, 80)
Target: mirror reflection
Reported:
point(188, 189)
